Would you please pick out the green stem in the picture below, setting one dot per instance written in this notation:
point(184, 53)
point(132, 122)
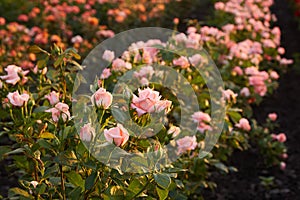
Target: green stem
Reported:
point(63, 189)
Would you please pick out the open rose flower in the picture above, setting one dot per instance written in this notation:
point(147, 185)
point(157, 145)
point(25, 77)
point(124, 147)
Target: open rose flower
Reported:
point(244, 124)
point(117, 135)
point(186, 143)
point(108, 55)
point(102, 98)
point(87, 132)
point(202, 119)
point(183, 62)
point(12, 76)
point(16, 99)
point(53, 97)
point(60, 109)
point(174, 130)
point(149, 101)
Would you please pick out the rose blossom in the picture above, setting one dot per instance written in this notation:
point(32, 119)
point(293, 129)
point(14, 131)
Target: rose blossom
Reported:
point(272, 116)
point(12, 76)
point(245, 92)
point(77, 39)
point(53, 97)
point(274, 75)
point(102, 98)
point(244, 124)
point(282, 165)
point(16, 99)
point(105, 73)
point(195, 59)
point(238, 70)
point(87, 132)
point(186, 143)
point(174, 130)
point(149, 102)
point(281, 137)
point(229, 95)
point(182, 62)
point(108, 55)
point(202, 119)
point(117, 135)
point(34, 183)
point(60, 109)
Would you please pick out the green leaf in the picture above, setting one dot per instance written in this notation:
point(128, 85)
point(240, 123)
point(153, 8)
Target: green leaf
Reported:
point(36, 49)
point(40, 109)
point(75, 179)
point(75, 193)
point(89, 182)
point(163, 180)
point(135, 187)
point(16, 151)
point(47, 135)
point(235, 116)
point(222, 167)
point(58, 61)
point(163, 194)
point(4, 150)
point(17, 192)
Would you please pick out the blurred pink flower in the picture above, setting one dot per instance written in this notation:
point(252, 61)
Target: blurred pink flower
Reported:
point(174, 130)
point(105, 73)
point(186, 143)
point(244, 124)
point(282, 165)
point(16, 99)
point(87, 132)
point(238, 70)
point(117, 135)
point(60, 109)
point(2, 21)
point(53, 97)
point(272, 116)
point(77, 39)
point(102, 98)
point(13, 72)
point(108, 55)
point(195, 59)
point(245, 92)
point(202, 119)
point(281, 137)
point(182, 61)
point(120, 65)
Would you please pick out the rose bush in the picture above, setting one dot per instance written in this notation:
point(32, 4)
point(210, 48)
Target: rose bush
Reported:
point(53, 158)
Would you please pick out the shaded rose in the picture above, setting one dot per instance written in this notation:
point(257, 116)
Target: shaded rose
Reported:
point(274, 75)
point(53, 97)
point(77, 39)
point(281, 137)
point(272, 116)
point(102, 98)
point(229, 95)
point(117, 135)
point(34, 183)
point(120, 65)
point(16, 99)
point(238, 70)
point(282, 165)
point(60, 109)
point(108, 55)
point(186, 143)
point(202, 119)
point(182, 62)
point(105, 73)
point(195, 59)
point(87, 132)
point(244, 124)
point(174, 130)
point(245, 92)
point(12, 76)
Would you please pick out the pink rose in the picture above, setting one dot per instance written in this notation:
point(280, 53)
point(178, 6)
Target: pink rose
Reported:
point(219, 6)
point(281, 137)
point(238, 70)
point(245, 92)
point(174, 130)
point(202, 119)
point(102, 98)
point(53, 97)
point(2, 21)
point(16, 99)
point(34, 183)
point(77, 39)
point(186, 143)
point(281, 50)
point(272, 116)
point(60, 109)
point(274, 75)
point(120, 65)
point(108, 55)
point(195, 59)
point(12, 76)
point(149, 102)
point(244, 124)
point(87, 132)
point(182, 62)
point(282, 165)
point(284, 156)
point(105, 73)
point(117, 135)
point(229, 95)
